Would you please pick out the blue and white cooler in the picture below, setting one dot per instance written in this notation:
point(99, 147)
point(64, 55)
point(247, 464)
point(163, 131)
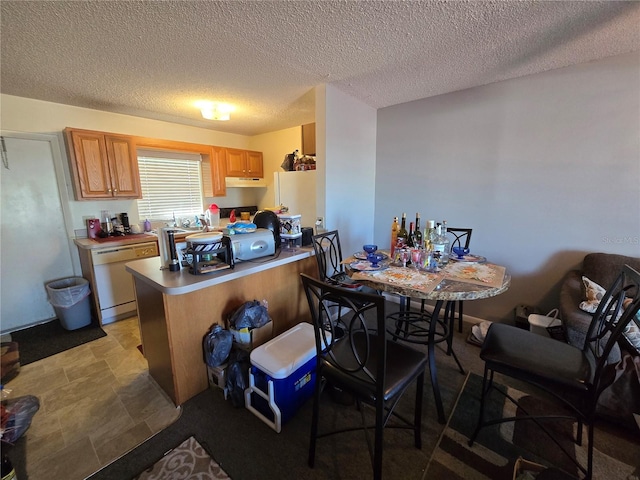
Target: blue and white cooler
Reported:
point(282, 375)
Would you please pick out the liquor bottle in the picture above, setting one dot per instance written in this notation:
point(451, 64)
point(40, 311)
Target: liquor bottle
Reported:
point(411, 238)
point(447, 242)
point(394, 235)
point(417, 236)
point(429, 232)
point(441, 247)
point(403, 235)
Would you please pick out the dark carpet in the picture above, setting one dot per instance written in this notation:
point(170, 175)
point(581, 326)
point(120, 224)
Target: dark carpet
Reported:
point(42, 341)
point(497, 447)
point(246, 448)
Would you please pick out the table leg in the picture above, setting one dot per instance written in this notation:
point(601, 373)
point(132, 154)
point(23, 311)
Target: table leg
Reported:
point(431, 355)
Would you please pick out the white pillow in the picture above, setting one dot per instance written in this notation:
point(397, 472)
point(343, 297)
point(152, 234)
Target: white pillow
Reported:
point(593, 295)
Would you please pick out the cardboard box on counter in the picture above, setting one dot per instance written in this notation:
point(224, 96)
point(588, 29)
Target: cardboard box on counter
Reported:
point(250, 339)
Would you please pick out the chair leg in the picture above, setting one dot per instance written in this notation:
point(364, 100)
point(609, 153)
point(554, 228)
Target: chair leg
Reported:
point(590, 451)
point(377, 451)
point(486, 385)
point(314, 421)
point(417, 412)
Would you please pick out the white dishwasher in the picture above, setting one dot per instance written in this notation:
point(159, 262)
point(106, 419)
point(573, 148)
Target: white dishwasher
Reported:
point(115, 292)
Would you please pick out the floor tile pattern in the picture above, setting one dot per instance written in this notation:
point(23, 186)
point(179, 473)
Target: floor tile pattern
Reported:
point(97, 402)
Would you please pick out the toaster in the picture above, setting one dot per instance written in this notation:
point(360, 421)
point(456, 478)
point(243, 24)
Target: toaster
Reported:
point(249, 246)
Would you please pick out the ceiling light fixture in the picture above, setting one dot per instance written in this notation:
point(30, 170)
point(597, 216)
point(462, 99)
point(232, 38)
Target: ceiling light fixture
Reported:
point(215, 111)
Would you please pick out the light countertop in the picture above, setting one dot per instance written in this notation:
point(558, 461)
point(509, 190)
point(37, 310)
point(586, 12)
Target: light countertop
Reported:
point(90, 244)
point(177, 283)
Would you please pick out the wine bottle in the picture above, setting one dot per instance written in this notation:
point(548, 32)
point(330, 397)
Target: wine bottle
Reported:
point(403, 235)
point(394, 235)
point(411, 238)
point(417, 240)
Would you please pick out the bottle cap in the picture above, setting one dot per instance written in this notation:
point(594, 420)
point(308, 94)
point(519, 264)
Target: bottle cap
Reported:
point(213, 207)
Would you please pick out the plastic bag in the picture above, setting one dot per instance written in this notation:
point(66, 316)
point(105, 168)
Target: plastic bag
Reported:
point(217, 345)
point(16, 414)
point(68, 292)
point(251, 314)
point(238, 376)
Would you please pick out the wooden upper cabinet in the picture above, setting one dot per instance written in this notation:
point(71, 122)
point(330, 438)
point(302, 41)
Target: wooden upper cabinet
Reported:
point(218, 171)
point(255, 166)
point(244, 163)
point(309, 139)
point(103, 165)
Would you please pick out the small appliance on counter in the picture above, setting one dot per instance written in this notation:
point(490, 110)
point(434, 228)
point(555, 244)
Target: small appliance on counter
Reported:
point(208, 252)
point(269, 220)
point(249, 246)
point(93, 228)
point(168, 249)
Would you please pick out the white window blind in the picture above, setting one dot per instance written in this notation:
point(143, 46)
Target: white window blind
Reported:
point(171, 185)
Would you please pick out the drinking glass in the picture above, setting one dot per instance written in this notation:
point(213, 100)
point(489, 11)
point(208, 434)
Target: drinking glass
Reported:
point(404, 254)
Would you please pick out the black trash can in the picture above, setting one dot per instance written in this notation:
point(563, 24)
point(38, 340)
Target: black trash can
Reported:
point(70, 300)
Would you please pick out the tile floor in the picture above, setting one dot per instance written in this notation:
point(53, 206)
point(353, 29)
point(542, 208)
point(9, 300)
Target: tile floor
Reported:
point(97, 401)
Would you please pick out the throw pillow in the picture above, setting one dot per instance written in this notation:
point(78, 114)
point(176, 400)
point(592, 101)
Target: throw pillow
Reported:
point(593, 295)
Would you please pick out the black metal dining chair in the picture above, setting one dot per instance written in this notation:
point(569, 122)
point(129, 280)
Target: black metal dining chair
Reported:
point(363, 362)
point(461, 237)
point(573, 376)
point(328, 253)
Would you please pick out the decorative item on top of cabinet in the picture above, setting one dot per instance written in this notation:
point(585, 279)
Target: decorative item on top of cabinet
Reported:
point(244, 163)
point(103, 165)
point(309, 139)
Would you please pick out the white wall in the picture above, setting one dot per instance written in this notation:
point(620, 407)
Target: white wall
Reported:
point(347, 153)
point(274, 146)
point(544, 168)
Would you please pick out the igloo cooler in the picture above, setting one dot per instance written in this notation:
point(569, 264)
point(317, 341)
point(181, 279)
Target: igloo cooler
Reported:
point(282, 375)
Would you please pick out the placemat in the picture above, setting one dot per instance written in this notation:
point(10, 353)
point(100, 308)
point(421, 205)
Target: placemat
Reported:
point(408, 278)
point(487, 274)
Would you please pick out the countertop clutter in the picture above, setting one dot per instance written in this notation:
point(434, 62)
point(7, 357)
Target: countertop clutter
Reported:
point(176, 283)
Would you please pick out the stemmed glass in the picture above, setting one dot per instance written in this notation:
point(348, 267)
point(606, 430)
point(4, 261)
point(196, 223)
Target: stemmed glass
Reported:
point(370, 248)
point(404, 254)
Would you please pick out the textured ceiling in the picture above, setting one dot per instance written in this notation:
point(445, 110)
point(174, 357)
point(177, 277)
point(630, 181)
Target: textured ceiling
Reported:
point(154, 59)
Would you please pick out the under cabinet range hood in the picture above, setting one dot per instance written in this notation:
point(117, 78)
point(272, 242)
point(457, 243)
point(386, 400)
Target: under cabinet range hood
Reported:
point(245, 182)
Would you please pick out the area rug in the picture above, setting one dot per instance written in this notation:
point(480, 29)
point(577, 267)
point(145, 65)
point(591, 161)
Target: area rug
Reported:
point(497, 447)
point(47, 339)
point(189, 460)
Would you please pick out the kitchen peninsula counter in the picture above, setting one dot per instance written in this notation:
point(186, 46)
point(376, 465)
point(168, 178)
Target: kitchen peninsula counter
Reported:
point(177, 309)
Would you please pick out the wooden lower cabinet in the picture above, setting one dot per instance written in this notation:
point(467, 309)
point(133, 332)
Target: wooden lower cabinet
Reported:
point(173, 326)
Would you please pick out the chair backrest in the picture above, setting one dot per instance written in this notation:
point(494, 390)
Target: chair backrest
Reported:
point(460, 237)
point(346, 323)
point(618, 307)
point(326, 247)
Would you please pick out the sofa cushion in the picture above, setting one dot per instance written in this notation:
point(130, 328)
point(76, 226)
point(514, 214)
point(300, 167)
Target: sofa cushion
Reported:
point(604, 268)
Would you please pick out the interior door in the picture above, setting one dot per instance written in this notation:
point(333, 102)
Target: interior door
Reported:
point(34, 246)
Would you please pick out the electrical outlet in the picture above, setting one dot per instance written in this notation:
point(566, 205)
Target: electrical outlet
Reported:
point(319, 223)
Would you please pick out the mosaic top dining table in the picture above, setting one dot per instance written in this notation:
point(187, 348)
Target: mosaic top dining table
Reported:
point(459, 280)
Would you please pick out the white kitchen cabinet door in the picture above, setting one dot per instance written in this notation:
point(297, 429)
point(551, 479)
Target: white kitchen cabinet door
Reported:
point(34, 246)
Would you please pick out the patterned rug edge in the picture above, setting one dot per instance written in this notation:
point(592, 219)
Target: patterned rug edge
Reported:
point(188, 459)
point(453, 410)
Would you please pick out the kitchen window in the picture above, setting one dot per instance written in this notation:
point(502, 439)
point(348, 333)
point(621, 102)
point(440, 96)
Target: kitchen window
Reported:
point(171, 185)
